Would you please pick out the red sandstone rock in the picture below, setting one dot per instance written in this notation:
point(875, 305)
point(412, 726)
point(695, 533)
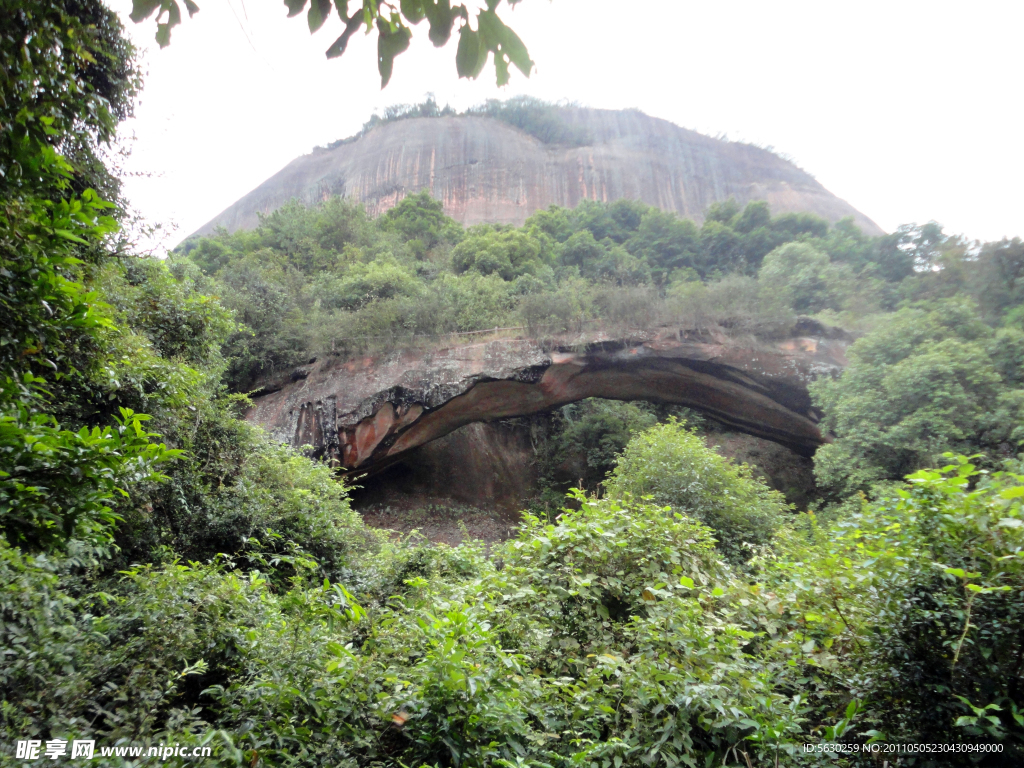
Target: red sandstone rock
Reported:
point(364, 415)
point(484, 170)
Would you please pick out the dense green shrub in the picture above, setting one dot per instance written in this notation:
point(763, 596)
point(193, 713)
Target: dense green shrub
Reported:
point(912, 604)
point(736, 303)
point(473, 663)
point(420, 219)
point(666, 242)
point(672, 465)
point(327, 280)
point(587, 438)
point(615, 631)
point(567, 309)
point(506, 252)
point(69, 76)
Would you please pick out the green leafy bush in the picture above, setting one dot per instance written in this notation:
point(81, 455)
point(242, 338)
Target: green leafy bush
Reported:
point(585, 440)
point(61, 482)
point(912, 604)
point(420, 218)
point(327, 280)
point(615, 631)
point(500, 251)
point(671, 465)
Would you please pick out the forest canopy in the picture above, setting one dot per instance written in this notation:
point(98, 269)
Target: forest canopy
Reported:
point(541, 119)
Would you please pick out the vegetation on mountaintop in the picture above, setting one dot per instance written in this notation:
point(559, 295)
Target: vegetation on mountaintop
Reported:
point(170, 576)
point(329, 280)
point(540, 119)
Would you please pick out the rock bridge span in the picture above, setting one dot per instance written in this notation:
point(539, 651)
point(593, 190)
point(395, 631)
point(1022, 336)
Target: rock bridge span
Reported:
point(362, 415)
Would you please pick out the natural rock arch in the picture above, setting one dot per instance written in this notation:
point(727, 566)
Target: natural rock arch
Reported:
point(365, 414)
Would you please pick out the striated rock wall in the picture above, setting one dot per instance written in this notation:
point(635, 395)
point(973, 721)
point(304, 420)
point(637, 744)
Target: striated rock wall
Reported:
point(484, 170)
point(780, 468)
point(485, 465)
point(364, 415)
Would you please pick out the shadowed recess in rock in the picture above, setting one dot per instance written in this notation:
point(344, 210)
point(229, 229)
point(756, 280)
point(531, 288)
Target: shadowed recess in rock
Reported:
point(364, 415)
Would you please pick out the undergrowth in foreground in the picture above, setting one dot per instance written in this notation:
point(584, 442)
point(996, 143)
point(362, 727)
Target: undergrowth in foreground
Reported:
point(615, 636)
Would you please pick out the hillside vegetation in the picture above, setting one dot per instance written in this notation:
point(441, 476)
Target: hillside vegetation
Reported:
point(540, 119)
point(937, 367)
point(329, 280)
point(170, 578)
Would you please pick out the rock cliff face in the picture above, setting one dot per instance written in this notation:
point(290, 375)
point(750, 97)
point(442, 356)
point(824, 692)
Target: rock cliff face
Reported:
point(486, 171)
point(484, 465)
point(364, 415)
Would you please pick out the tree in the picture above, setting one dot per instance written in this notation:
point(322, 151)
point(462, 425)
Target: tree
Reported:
point(922, 383)
point(420, 219)
point(804, 275)
point(617, 220)
point(719, 248)
point(1008, 256)
point(793, 225)
point(725, 212)
point(582, 250)
point(69, 77)
point(392, 21)
point(667, 242)
point(756, 214)
point(502, 251)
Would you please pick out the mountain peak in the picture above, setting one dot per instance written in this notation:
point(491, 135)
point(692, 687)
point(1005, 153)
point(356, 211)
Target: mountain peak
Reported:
point(485, 170)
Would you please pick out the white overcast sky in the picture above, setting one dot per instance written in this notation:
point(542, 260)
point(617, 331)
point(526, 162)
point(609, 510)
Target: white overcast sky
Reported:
point(910, 111)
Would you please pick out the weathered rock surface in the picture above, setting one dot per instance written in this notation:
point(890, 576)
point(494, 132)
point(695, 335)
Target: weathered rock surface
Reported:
point(483, 465)
point(493, 466)
point(363, 415)
point(483, 170)
point(780, 468)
